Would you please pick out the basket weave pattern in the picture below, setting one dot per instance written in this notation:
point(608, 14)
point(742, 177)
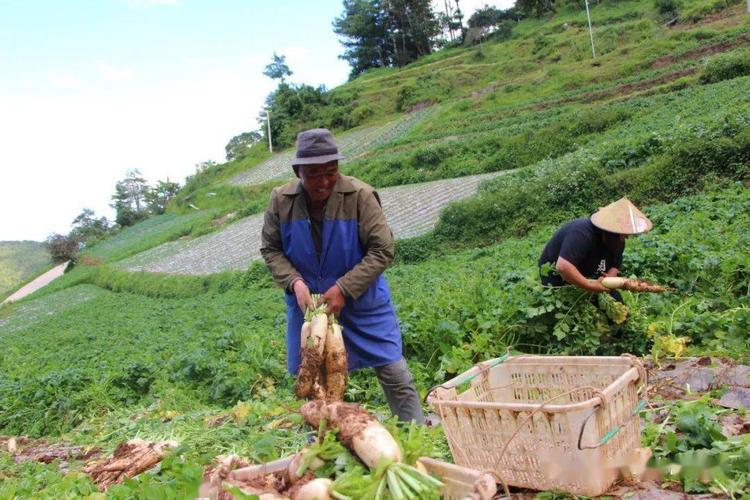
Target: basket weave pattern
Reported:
point(503, 403)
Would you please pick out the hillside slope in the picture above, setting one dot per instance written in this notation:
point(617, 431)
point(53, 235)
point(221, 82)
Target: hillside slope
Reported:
point(19, 262)
point(662, 116)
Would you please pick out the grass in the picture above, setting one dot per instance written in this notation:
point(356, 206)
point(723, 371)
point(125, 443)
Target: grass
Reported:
point(102, 355)
point(20, 261)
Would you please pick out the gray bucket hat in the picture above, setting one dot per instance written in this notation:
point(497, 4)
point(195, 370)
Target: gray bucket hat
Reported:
point(314, 147)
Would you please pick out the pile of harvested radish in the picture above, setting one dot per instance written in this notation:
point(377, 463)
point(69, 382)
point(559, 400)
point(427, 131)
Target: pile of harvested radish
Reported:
point(327, 469)
point(323, 372)
point(632, 284)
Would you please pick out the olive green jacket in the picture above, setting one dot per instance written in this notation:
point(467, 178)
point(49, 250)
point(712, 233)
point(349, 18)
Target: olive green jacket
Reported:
point(350, 199)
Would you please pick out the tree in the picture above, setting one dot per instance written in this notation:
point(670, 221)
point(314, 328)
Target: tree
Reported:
point(87, 226)
point(485, 17)
point(458, 21)
point(535, 7)
point(158, 197)
point(129, 199)
point(239, 144)
point(378, 33)
point(277, 68)
point(63, 248)
point(293, 108)
point(363, 28)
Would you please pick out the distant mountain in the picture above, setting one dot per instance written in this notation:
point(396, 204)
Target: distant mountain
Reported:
point(19, 262)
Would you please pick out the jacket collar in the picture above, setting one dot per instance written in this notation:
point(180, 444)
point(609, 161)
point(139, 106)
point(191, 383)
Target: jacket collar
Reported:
point(343, 185)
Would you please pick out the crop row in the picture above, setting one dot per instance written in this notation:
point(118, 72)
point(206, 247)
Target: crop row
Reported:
point(410, 210)
point(148, 233)
point(351, 145)
point(26, 314)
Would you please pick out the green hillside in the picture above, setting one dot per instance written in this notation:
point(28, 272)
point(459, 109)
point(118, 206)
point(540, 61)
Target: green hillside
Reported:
point(662, 115)
point(20, 261)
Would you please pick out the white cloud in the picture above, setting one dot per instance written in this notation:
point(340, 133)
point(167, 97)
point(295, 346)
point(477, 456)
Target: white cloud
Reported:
point(114, 73)
point(66, 81)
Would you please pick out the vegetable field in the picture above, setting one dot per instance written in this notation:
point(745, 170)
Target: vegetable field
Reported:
point(351, 144)
point(219, 357)
point(172, 330)
point(19, 262)
point(410, 210)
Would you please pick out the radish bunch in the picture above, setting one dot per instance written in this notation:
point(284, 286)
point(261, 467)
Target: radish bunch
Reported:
point(323, 372)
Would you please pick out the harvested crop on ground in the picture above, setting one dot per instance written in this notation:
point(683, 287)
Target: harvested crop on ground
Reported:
point(128, 460)
point(327, 468)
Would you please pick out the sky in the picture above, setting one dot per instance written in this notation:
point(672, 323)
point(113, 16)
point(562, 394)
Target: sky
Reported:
point(92, 88)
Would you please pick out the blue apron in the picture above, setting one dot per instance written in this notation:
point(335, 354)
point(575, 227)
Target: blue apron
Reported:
point(371, 333)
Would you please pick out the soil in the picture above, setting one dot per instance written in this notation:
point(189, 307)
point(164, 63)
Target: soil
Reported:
point(308, 372)
point(350, 419)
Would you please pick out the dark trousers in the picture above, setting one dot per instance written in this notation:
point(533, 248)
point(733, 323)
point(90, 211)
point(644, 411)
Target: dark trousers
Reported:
point(400, 392)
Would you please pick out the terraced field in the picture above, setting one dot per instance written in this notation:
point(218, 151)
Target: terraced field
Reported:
point(28, 313)
point(137, 238)
point(411, 211)
point(352, 145)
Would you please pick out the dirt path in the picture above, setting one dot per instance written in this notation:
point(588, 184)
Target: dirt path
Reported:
point(37, 283)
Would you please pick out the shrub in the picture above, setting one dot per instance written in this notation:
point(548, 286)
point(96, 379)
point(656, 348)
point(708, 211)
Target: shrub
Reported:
point(63, 248)
point(512, 206)
point(668, 9)
point(727, 66)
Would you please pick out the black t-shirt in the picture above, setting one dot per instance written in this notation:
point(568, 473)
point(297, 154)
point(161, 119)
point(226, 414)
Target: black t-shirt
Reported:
point(579, 242)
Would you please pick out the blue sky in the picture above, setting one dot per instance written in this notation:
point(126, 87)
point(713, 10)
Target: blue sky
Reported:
point(92, 88)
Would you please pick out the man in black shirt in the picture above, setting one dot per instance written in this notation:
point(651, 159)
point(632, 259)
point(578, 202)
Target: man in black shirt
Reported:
point(585, 250)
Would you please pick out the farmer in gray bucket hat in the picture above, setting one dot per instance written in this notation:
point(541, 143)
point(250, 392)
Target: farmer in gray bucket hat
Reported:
point(326, 233)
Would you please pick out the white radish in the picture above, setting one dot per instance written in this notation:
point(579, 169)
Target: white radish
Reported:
point(613, 282)
point(311, 351)
point(317, 489)
point(632, 284)
point(359, 430)
point(318, 332)
point(336, 369)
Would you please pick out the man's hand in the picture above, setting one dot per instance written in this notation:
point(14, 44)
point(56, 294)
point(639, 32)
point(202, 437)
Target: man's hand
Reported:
point(304, 300)
point(596, 286)
point(335, 300)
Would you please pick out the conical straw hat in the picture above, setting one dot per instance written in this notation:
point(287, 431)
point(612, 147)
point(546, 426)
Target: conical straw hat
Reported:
point(621, 217)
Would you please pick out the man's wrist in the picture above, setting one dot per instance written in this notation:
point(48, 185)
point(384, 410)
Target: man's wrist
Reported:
point(294, 281)
point(343, 289)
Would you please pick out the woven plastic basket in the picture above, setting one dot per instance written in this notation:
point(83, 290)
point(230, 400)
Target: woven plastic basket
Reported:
point(544, 422)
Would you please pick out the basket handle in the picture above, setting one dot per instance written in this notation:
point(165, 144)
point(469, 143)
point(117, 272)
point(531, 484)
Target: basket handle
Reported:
point(610, 434)
point(475, 371)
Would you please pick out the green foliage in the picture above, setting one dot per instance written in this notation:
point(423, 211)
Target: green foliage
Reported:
point(668, 9)
point(277, 68)
point(86, 227)
point(371, 28)
point(727, 66)
point(649, 168)
point(239, 144)
point(129, 199)
point(690, 448)
point(62, 248)
point(700, 9)
point(19, 262)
